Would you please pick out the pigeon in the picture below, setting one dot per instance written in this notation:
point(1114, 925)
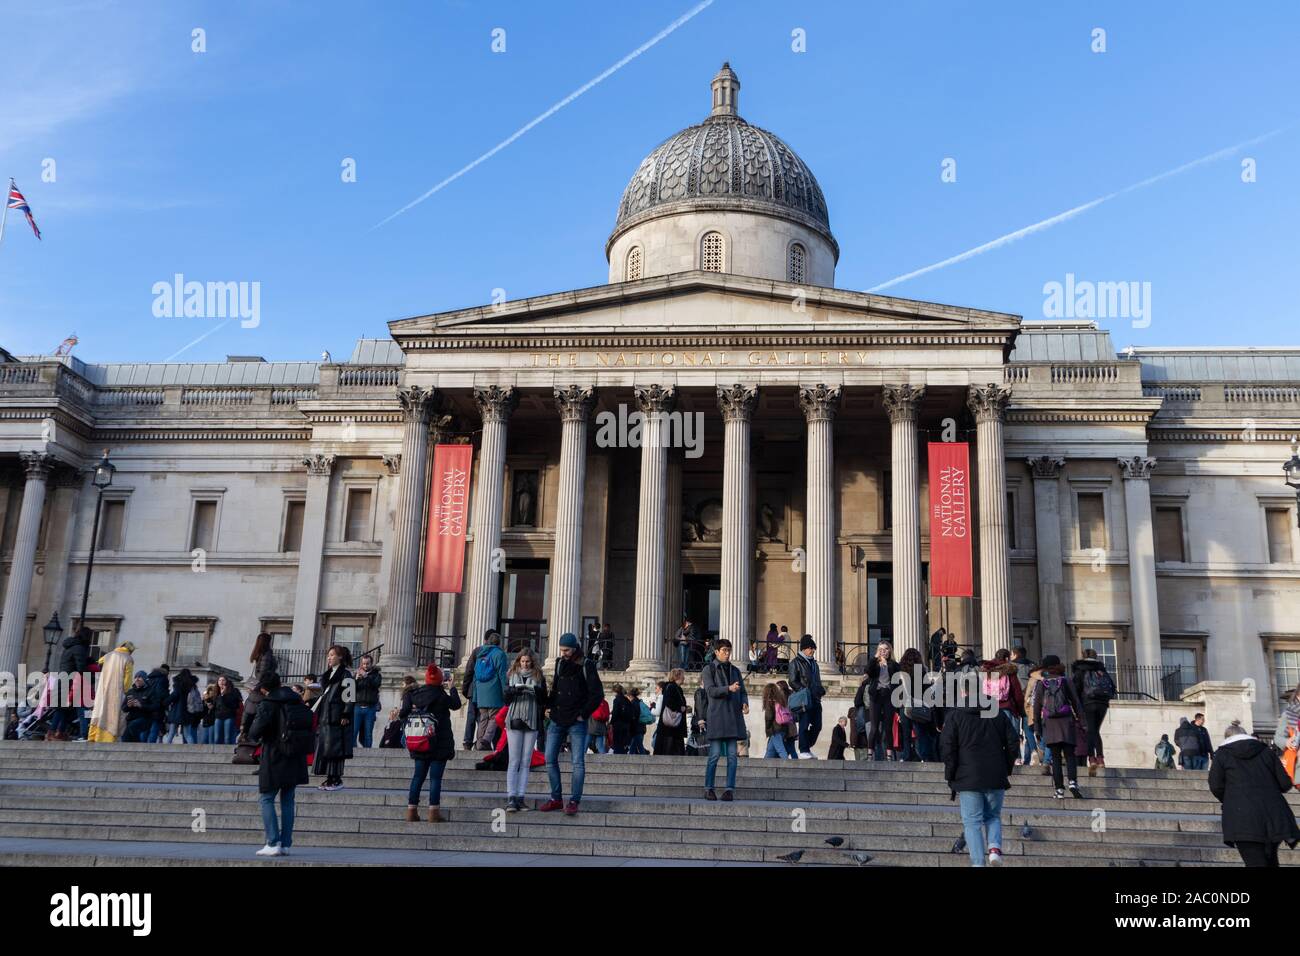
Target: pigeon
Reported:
point(835, 841)
point(1026, 832)
point(960, 845)
point(793, 857)
point(862, 858)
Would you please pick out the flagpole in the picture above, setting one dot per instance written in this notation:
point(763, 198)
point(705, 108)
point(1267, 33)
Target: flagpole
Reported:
point(4, 212)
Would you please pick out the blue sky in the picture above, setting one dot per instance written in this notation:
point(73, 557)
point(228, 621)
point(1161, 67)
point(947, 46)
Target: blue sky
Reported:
point(225, 165)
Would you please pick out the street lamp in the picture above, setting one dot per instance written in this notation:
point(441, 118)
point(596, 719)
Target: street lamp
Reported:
point(102, 478)
point(53, 631)
point(1292, 469)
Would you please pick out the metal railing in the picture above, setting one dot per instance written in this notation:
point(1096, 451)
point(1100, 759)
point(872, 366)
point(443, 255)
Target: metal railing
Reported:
point(293, 664)
point(1147, 682)
point(440, 649)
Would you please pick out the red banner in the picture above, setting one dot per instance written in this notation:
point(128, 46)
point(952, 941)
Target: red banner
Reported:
point(950, 522)
point(444, 548)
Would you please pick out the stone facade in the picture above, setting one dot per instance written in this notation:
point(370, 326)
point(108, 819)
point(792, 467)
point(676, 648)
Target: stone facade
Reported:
point(1131, 503)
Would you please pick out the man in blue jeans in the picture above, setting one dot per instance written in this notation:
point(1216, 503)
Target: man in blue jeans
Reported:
point(724, 723)
point(367, 684)
point(804, 674)
point(978, 752)
point(575, 694)
point(283, 725)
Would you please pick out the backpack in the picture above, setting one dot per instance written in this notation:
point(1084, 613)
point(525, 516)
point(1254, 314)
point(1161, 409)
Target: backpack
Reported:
point(296, 738)
point(1056, 702)
point(1098, 685)
point(194, 702)
point(646, 716)
point(421, 731)
point(485, 667)
point(782, 715)
point(997, 687)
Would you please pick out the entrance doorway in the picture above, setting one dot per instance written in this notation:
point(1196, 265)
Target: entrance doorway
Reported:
point(525, 596)
point(702, 603)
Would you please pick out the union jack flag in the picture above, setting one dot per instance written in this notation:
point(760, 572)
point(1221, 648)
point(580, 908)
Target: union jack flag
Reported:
point(16, 201)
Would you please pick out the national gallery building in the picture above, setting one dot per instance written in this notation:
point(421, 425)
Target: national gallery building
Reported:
point(1134, 504)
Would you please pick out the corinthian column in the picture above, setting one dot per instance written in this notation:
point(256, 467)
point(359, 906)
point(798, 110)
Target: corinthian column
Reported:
point(988, 402)
point(404, 574)
point(495, 405)
point(819, 405)
point(1141, 559)
point(19, 590)
point(654, 401)
point(737, 405)
point(1046, 470)
point(901, 403)
point(566, 560)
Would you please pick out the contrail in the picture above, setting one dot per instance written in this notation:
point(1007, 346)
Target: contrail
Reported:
point(186, 348)
point(689, 14)
point(1071, 213)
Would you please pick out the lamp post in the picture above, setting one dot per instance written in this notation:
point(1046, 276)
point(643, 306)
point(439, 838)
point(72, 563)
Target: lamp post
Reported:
point(53, 631)
point(1292, 470)
point(103, 477)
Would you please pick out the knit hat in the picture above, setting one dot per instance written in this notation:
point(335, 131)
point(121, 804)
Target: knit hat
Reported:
point(142, 675)
point(433, 675)
point(806, 642)
point(568, 640)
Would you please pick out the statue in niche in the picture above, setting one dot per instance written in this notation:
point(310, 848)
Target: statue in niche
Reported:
point(769, 528)
point(524, 508)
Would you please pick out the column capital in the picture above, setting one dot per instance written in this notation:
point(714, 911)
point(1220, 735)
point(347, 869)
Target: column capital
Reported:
point(574, 402)
point(988, 402)
point(1046, 466)
point(393, 463)
point(901, 401)
point(819, 402)
point(737, 401)
point(417, 403)
point(37, 464)
point(653, 399)
point(1137, 468)
point(496, 403)
point(319, 465)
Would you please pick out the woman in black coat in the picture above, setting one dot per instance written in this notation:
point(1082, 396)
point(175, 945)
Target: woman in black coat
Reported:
point(432, 699)
point(670, 740)
point(879, 699)
point(178, 715)
point(334, 712)
point(1057, 730)
point(74, 662)
point(624, 720)
point(279, 770)
point(1249, 780)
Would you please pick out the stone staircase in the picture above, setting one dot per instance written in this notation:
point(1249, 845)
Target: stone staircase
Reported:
point(136, 804)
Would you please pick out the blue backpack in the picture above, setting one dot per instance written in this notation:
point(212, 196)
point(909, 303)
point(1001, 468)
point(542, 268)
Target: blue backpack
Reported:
point(485, 667)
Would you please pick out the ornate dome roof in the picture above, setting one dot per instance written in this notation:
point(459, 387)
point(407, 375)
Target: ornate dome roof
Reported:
point(726, 163)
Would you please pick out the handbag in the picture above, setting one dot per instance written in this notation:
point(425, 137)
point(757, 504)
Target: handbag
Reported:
point(799, 700)
point(672, 718)
point(245, 753)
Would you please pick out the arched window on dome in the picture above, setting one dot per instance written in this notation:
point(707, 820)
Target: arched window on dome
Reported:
point(798, 257)
point(633, 268)
point(712, 252)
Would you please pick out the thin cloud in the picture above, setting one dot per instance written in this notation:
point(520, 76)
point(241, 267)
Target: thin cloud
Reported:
point(1077, 210)
point(185, 348)
point(689, 14)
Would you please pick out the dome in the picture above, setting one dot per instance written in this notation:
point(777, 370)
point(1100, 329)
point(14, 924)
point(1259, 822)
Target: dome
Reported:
point(724, 163)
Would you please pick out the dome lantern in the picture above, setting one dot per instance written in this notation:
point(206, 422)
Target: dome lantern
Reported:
point(726, 92)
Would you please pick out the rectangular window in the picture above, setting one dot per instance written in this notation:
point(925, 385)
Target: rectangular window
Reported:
point(293, 515)
point(1286, 670)
point(1169, 534)
point(110, 526)
point(1092, 521)
point(351, 636)
point(1011, 520)
point(204, 530)
point(357, 524)
point(189, 647)
point(1105, 648)
point(1279, 535)
point(1185, 660)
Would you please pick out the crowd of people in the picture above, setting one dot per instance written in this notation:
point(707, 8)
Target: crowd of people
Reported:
point(1008, 711)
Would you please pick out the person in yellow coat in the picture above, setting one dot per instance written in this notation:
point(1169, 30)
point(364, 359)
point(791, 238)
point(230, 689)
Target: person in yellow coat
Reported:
point(115, 674)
